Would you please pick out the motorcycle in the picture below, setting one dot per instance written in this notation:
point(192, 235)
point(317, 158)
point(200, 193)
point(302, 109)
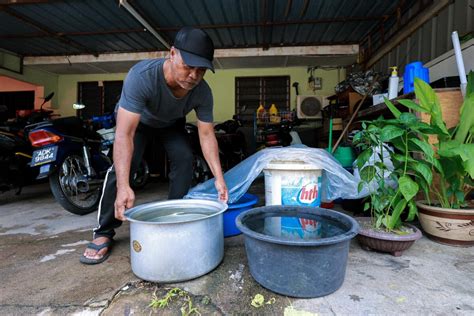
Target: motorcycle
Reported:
point(105, 126)
point(75, 158)
point(69, 154)
point(201, 171)
point(231, 141)
point(231, 144)
point(16, 150)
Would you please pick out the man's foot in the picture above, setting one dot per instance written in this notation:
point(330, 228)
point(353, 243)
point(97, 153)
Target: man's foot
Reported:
point(97, 251)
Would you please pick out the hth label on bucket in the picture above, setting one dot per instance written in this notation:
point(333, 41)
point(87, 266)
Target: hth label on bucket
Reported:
point(301, 195)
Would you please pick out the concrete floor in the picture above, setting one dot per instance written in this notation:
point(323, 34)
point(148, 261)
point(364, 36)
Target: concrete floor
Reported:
point(40, 273)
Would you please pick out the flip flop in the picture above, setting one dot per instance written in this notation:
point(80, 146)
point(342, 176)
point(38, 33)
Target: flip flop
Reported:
point(91, 245)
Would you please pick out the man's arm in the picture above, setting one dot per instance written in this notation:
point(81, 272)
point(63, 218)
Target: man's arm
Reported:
point(127, 123)
point(209, 147)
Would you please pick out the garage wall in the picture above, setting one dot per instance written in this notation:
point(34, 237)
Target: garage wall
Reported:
point(67, 89)
point(433, 39)
point(40, 78)
point(222, 84)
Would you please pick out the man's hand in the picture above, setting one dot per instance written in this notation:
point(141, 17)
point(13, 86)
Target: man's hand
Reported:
point(124, 200)
point(207, 138)
point(222, 192)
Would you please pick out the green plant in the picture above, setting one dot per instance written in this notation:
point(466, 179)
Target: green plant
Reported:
point(415, 159)
point(406, 134)
point(454, 149)
point(187, 308)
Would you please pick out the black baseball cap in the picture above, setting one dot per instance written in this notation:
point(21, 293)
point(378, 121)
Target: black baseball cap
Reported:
point(196, 47)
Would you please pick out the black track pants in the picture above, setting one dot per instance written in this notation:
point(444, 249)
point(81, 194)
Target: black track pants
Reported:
point(179, 152)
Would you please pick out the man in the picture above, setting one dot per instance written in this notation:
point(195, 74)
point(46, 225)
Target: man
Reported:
point(156, 96)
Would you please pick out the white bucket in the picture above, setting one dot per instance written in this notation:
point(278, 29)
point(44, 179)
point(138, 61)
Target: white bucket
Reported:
point(293, 183)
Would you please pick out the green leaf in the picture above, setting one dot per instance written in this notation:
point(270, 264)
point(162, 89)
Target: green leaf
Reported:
point(465, 152)
point(469, 163)
point(367, 173)
point(412, 211)
point(408, 118)
point(360, 186)
point(424, 146)
point(412, 105)
point(364, 157)
point(470, 84)
point(390, 132)
point(408, 187)
point(449, 148)
point(423, 170)
point(357, 138)
point(397, 212)
point(402, 158)
point(366, 206)
point(378, 223)
point(459, 196)
point(466, 119)
point(429, 101)
point(396, 112)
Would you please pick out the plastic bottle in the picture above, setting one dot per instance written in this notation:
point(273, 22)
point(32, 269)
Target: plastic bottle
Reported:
point(273, 110)
point(393, 84)
point(260, 113)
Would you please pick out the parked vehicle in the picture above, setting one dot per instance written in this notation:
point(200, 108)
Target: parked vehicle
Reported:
point(231, 141)
point(201, 171)
point(69, 154)
point(105, 126)
point(16, 150)
point(75, 158)
point(280, 134)
point(231, 148)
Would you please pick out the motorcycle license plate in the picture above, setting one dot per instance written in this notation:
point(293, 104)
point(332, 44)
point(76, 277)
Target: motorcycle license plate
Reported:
point(44, 155)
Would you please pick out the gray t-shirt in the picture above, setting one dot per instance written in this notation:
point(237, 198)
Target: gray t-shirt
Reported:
point(145, 92)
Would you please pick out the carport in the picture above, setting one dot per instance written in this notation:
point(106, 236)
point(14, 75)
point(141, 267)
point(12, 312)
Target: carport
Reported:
point(82, 50)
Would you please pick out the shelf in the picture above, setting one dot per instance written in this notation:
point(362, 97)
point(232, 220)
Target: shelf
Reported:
point(381, 108)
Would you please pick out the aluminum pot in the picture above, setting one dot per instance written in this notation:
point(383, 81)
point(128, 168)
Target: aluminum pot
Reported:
point(176, 240)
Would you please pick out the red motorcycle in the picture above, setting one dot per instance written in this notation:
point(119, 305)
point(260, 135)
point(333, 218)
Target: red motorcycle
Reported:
point(15, 148)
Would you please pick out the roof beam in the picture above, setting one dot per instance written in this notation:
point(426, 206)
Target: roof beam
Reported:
point(144, 22)
point(32, 35)
point(279, 23)
point(323, 50)
point(17, 2)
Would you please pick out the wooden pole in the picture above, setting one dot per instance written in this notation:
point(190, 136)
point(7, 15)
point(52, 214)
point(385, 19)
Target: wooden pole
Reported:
point(344, 131)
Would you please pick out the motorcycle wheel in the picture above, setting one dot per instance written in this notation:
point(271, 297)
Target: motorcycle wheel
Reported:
point(201, 171)
point(140, 178)
point(64, 186)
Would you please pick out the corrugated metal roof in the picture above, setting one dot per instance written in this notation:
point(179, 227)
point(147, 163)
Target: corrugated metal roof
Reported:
point(42, 28)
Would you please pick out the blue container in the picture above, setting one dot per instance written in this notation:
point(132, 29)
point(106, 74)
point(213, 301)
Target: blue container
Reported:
point(244, 203)
point(412, 71)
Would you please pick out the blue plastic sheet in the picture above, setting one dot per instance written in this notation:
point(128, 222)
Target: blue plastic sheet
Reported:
point(337, 182)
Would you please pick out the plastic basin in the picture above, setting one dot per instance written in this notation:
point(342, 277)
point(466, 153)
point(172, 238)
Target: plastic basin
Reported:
point(244, 203)
point(297, 267)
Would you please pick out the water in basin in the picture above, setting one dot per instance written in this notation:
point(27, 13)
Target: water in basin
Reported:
point(172, 214)
point(306, 227)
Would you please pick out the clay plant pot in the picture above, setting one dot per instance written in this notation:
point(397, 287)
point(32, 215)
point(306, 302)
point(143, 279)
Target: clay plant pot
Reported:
point(454, 227)
point(372, 239)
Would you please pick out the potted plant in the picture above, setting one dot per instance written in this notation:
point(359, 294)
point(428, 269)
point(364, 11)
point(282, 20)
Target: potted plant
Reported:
point(393, 177)
point(448, 217)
